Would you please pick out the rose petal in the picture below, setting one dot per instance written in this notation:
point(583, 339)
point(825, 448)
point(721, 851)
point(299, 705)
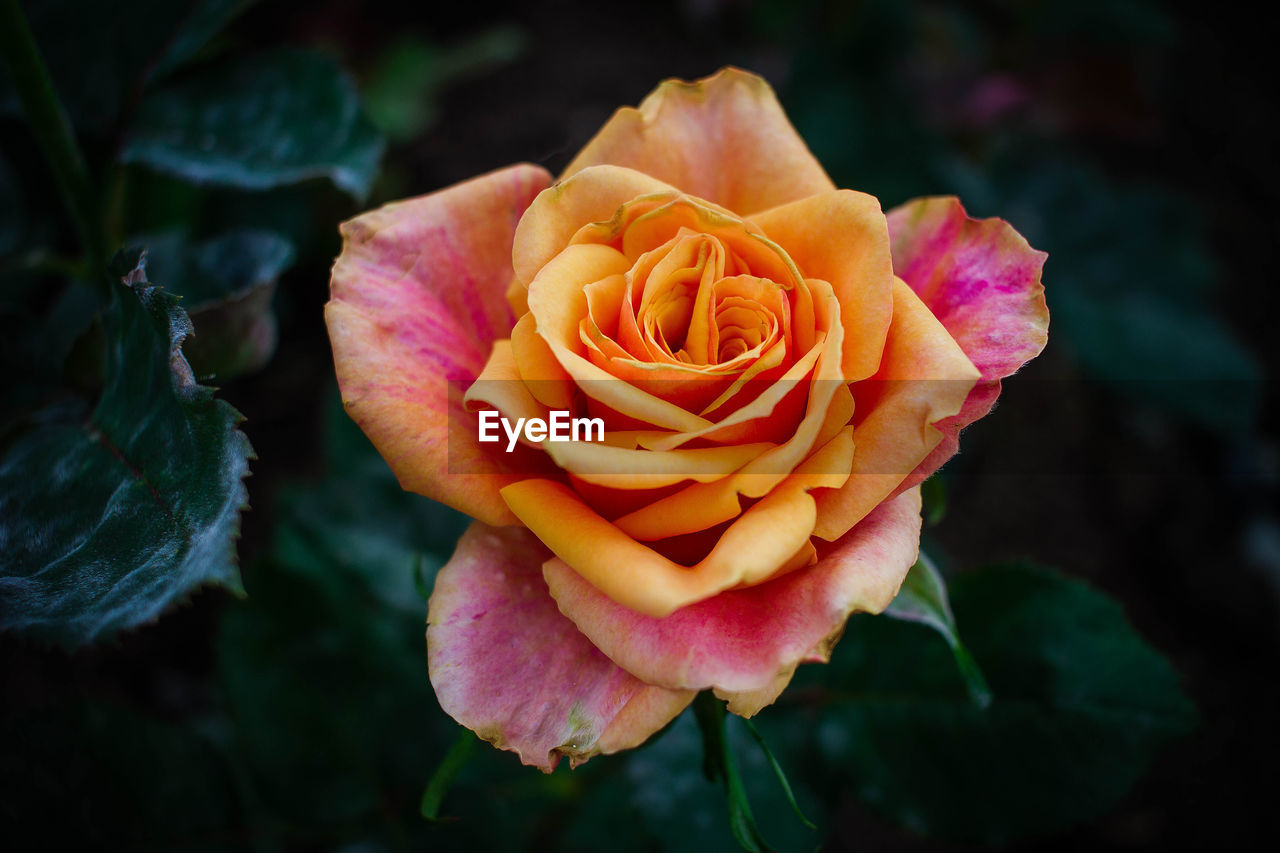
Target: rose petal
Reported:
point(841, 237)
point(724, 138)
point(748, 703)
point(923, 378)
point(982, 280)
point(561, 210)
point(507, 665)
point(760, 542)
point(499, 387)
point(623, 468)
point(546, 379)
point(417, 299)
point(751, 640)
point(558, 302)
point(828, 407)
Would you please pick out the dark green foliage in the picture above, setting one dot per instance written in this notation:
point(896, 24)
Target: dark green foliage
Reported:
point(1131, 283)
point(100, 775)
point(100, 55)
point(278, 119)
point(109, 518)
point(441, 780)
point(401, 90)
point(719, 766)
point(923, 599)
point(226, 284)
point(214, 270)
point(1080, 706)
point(300, 716)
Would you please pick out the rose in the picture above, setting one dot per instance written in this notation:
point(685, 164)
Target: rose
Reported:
point(778, 365)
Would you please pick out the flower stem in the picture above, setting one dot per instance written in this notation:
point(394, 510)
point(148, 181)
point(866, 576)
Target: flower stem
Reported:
point(52, 130)
point(718, 764)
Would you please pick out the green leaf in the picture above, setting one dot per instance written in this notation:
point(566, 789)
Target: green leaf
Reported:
point(12, 221)
point(359, 522)
point(327, 687)
point(777, 771)
point(1179, 356)
point(100, 54)
point(109, 519)
point(281, 118)
point(923, 599)
point(214, 270)
point(206, 19)
point(1081, 706)
point(446, 772)
point(329, 646)
point(46, 117)
point(97, 53)
point(227, 284)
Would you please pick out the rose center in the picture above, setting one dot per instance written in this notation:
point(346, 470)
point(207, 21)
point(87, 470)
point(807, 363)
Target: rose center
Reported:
point(698, 305)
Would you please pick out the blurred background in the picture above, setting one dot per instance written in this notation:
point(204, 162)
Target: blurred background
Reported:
point(1133, 141)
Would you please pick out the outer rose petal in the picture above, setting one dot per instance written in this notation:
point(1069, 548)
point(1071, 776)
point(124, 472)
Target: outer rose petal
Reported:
point(507, 665)
point(982, 280)
point(924, 378)
point(724, 139)
point(751, 640)
point(417, 299)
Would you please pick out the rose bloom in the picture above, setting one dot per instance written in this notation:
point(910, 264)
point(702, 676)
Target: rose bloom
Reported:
point(778, 365)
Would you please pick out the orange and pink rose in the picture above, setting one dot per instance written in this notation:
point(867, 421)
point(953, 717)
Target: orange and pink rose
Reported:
point(778, 365)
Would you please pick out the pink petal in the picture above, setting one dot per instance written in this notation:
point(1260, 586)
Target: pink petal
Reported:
point(982, 280)
point(748, 641)
point(508, 666)
point(418, 296)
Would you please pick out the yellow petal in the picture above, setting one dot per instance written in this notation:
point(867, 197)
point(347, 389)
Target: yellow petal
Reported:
point(546, 380)
point(752, 549)
point(724, 138)
point(923, 378)
point(561, 210)
point(499, 387)
point(842, 237)
point(623, 468)
point(558, 302)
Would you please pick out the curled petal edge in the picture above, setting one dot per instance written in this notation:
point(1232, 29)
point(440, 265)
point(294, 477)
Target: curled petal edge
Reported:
point(506, 664)
point(746, 643)
point(416, 302)
point(981, 279)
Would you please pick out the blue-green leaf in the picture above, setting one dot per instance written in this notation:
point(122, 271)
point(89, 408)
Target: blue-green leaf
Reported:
point(99, 54)
point(281, 118)
point(226, 284)
point(205, 20)
point(1080, 707)
point(777, 771)
point(109, 517)
point(923, 599)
